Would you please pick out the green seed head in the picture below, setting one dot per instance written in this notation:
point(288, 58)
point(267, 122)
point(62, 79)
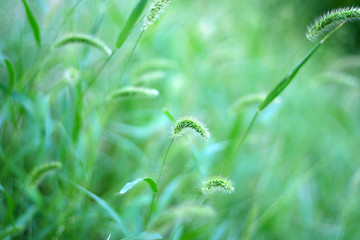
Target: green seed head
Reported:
point(217, 184)
point(131, 92)
point(157, 7)
point(331, 20)
point(184, 123)
point(39, 172)
point(85, 39)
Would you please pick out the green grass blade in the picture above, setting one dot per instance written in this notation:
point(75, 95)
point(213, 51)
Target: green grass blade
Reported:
point(285, 81)
point(144, 236)
point(20, 224)
point(130, 23)
point(105, 206)
point(130, 185)
point(10, 231)
point(85, 39)
point(33, 23)
point(11, 71)
point(168, 114)
point(10, 203)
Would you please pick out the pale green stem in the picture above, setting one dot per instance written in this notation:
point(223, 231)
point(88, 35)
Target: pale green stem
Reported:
point(129, 59)
point(241, 142)
point(154, 199)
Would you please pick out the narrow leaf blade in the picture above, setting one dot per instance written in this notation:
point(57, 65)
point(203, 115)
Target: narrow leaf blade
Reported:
point(10, 203)
point(286, 80)
point(102, 203)
point(11, 71)
point(130, 23)
point(152, 184)
point(33, 23)
point(168, 114)
point(144, 236)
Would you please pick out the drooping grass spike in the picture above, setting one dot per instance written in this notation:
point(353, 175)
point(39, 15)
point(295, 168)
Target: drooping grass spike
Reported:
point(157, 7)
point(184, 123)
point(217, 184)
point(83, 38)
point(331, 20)
point(131, 92)
point(39, 172)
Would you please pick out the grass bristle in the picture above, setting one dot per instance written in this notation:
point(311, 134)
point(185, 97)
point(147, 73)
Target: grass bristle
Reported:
point(157, 7)
point(331, 20)
point(217, 184)
point(189, 122)
point(83, 38)
point(132, 92)
point(39, 172)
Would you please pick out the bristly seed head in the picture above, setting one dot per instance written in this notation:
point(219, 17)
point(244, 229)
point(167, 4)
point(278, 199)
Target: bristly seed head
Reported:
point(131, 92)
point(156, 8)
point(183, 123)
point(217, 184)
point(39, 172)
point(331, 20)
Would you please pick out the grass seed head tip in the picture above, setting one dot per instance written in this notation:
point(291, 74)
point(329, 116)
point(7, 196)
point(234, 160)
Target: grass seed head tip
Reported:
point(83, 38)
point(217, 184)
point(131, 92)
point(157, 7)
point(39, 172)
point(331, 20)
point(188, 122)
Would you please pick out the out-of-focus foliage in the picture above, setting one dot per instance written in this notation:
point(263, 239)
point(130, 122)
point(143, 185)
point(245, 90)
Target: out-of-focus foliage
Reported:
point(296, 176)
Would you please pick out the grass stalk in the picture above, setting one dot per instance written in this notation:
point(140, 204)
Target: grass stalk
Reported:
point(154, 197)
point(278, 89)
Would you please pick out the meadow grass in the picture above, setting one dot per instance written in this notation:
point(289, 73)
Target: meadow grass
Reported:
point(90, 147)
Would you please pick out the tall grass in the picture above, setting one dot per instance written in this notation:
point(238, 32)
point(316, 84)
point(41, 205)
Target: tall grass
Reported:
point(90, 147)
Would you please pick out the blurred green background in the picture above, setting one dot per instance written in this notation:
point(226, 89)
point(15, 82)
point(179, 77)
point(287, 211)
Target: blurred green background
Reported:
point(296, 176)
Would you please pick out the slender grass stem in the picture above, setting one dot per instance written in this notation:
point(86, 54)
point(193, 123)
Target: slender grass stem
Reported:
point(163, 163)
point(129, 59)
point(154, 198)
point(278, 89)
point(241, 142)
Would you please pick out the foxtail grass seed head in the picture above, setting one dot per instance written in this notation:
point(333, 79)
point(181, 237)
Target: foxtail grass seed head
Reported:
point(83, 38)
point(156, 8)
point(185, 123)
point(217, 184)
point(39, 172)
point(131, 92)
point(331, 20)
